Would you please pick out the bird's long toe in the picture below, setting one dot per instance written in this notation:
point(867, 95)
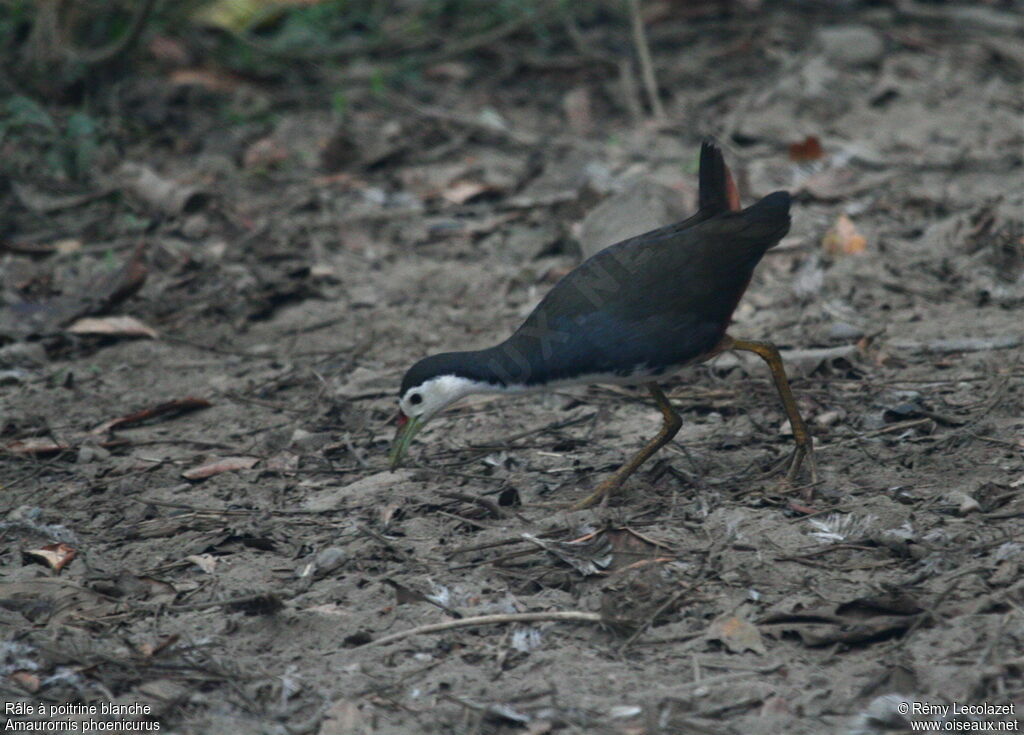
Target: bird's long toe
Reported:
point(803, 454)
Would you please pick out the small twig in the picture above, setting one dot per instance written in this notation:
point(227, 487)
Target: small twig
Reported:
point(643, 52)
point(536, 617)
point(630, 94)
point(966, 344)
point(891, 428)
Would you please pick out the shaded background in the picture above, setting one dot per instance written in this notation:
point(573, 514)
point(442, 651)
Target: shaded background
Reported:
point(227, 228)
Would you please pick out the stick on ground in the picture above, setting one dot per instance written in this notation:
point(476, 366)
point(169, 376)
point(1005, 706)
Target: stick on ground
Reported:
point(536, 617)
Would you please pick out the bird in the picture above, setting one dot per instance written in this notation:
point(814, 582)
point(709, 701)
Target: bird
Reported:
point(636, 312)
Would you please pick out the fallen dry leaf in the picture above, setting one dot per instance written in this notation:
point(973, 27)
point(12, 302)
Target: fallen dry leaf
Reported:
point(215, 81)
point(843, 238)
point(736, 634)
point(24, 680)
point(462, 191)
point(160, 192)
point(206, 562)
point(67, 245)
point(96, 295)
point(36, 445)
point(264, 153)
point(182, 405)
point(56, 556)
point(120, 326)
point(448, 70)
point(857, 621)
point(227, 464)
point(809, 149)
point(43, 202)
point(285, 462)
point(157, 589)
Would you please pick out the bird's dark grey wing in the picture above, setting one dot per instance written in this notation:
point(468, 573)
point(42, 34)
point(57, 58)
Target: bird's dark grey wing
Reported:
point(657, 302)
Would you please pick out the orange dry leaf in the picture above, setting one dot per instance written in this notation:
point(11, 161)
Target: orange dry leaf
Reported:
point(737, 634)
point(55, 556)
point(843, 238)
point(807, 150)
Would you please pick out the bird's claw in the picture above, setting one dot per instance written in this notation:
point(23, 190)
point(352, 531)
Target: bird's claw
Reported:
point(791, 464)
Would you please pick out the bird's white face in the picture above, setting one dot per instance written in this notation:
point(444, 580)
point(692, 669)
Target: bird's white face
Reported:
point(420, 403)
point(428, 398)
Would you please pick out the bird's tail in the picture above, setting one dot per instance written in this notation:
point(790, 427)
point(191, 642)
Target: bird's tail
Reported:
point(718, 192)
point(767, 220)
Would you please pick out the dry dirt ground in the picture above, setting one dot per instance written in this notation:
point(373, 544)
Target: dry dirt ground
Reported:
point(321, 257)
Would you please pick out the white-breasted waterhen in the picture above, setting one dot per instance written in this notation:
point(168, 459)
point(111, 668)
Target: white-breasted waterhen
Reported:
point(636, 312)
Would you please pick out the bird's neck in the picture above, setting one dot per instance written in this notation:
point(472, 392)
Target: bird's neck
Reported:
point(498, 369)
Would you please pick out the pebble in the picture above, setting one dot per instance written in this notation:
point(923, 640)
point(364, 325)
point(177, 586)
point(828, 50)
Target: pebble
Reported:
point(841, 331)
point(13, 377)
point(851, 45)
point(92, 453)
point(195, 226)
point(329, 559)
point(309, 441)
point(829, 418)
point(23, 354)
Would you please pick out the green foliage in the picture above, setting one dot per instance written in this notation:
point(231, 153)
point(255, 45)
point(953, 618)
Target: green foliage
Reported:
point(396, 34)
point(81, 143)
point(25, 112)
point(13, 15)
point(131, 223)
point(339, 104)
point(68, 148)
point(378, 83)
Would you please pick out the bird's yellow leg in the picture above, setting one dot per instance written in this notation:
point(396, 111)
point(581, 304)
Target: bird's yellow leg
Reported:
point(669, 428)
point(804, 443)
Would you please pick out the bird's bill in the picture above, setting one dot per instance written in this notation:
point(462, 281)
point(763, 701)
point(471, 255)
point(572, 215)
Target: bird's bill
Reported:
point(407, 428)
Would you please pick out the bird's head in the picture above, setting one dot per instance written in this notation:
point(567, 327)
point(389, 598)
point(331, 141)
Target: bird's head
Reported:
point(427, 388)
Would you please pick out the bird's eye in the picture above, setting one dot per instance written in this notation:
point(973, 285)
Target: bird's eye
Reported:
point(415, 399)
